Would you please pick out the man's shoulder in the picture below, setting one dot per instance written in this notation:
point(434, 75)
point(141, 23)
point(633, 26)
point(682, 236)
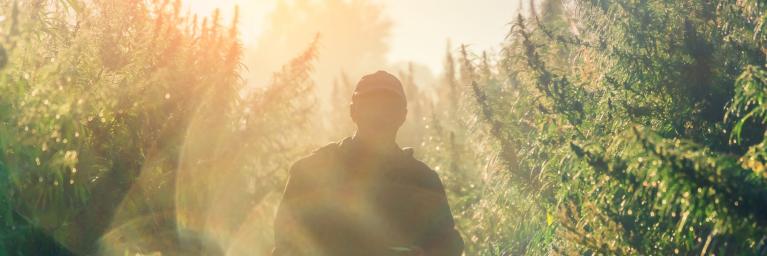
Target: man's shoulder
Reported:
point(319, 157)
point(413, 163)
point(424, 174)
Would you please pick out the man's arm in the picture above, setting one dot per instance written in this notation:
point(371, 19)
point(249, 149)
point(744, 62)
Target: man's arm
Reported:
point(291, 232)
point(443, 239)
point(287, 224)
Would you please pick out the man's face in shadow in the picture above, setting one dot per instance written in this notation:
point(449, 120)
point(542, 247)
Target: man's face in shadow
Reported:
point(378, 111)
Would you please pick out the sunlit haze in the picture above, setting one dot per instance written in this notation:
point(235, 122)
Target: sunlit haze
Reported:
point(383, 127)
point(418, 26)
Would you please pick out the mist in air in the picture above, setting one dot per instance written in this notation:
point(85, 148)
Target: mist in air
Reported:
point(168, 127)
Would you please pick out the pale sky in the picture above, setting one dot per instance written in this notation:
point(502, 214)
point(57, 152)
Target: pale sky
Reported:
point(421, 27)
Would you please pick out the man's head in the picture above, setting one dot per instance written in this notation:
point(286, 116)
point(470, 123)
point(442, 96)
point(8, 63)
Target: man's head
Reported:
point(379, 103)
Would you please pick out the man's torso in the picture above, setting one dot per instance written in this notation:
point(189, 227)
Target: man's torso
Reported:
point(350, 200)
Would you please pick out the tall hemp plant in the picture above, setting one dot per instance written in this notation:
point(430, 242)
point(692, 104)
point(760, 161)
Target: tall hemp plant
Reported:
point(101, 107)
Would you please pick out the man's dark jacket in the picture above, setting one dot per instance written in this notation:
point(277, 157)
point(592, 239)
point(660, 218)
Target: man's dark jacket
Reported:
point(341, 200)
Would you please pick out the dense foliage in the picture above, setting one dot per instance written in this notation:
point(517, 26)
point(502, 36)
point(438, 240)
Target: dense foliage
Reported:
point(616, 127)
point(602, 127)
point(106, 109)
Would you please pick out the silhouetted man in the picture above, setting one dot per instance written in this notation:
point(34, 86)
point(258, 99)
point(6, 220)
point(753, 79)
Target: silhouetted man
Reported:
point(365, 195)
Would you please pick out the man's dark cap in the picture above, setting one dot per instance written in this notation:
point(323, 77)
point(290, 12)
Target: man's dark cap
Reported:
point(380, 81)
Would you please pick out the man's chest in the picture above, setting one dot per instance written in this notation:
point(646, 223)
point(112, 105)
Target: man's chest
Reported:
point(389, 193)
